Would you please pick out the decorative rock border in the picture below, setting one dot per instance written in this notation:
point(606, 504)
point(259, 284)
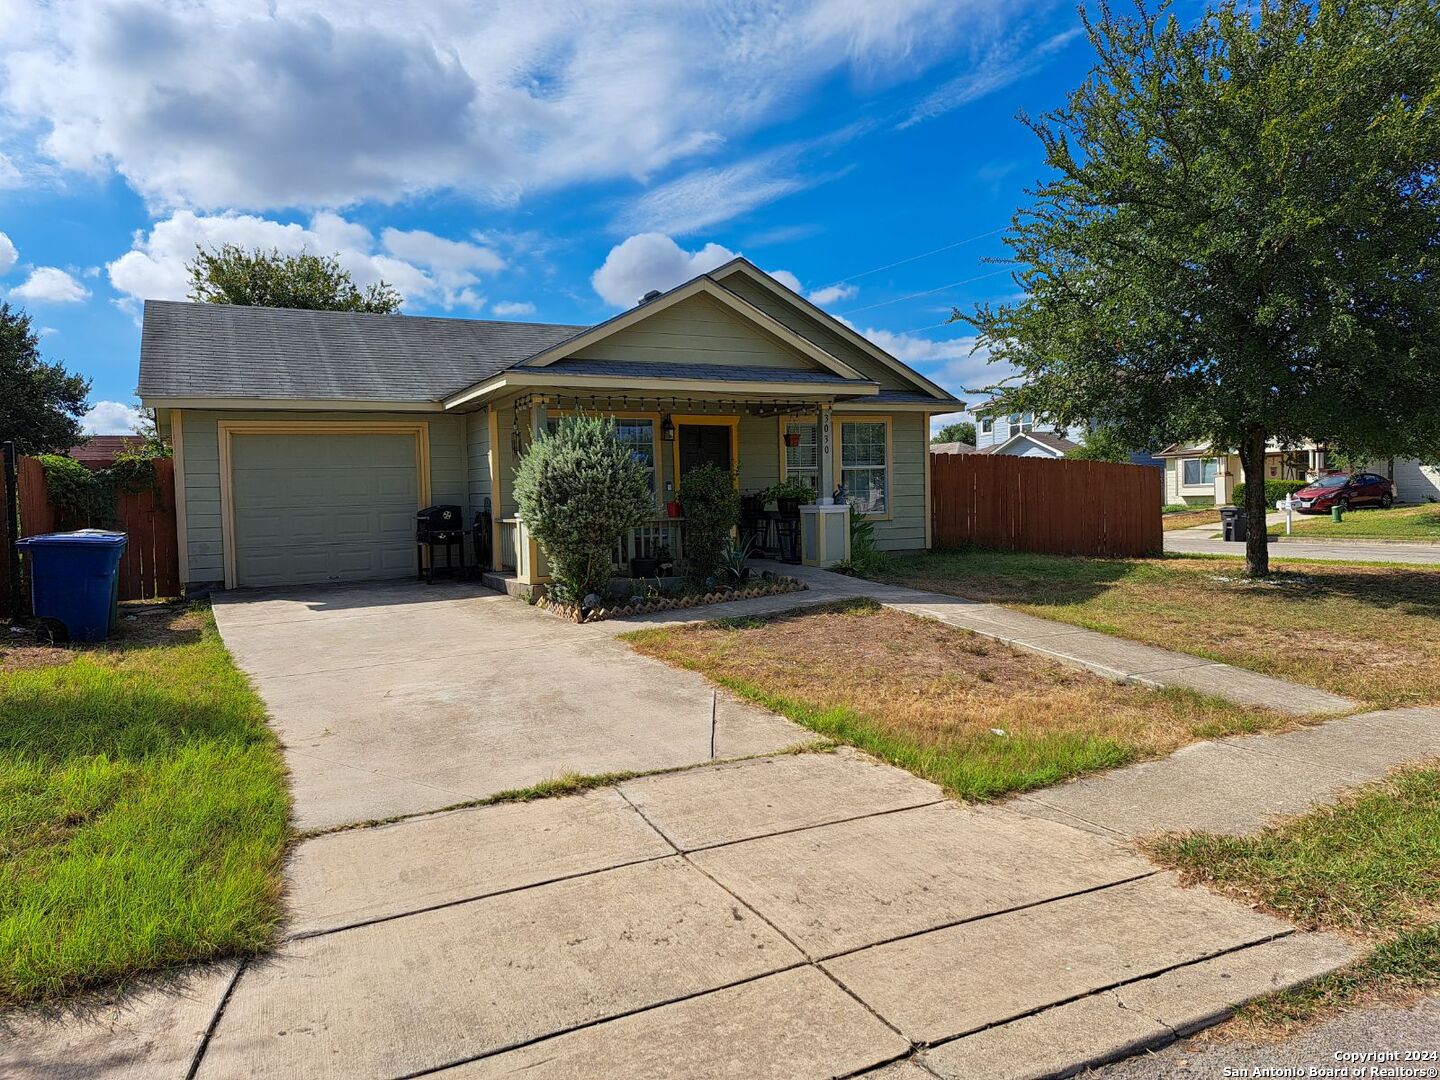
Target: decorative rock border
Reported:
point(776, 587)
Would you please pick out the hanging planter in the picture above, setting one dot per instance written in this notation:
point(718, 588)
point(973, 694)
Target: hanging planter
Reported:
point(792, 438)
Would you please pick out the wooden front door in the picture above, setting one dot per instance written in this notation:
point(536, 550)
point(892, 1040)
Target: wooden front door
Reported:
point(703, 444)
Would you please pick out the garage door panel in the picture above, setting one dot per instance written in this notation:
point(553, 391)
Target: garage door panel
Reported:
point(328, 507)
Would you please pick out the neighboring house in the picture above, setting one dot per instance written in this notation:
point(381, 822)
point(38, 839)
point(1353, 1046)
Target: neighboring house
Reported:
point(1197, 475)
point(1041, 444)
point(952, 448)
point(305, 440)
point(994, 428)
point(98, 451)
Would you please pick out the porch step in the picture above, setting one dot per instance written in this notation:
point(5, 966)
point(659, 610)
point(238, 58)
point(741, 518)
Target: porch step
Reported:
point(507, 583)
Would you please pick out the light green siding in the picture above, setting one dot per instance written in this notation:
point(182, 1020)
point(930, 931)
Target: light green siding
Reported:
point(201, 450)
point(814, 331)
point(759, 452)
point(699, 330)
point(909, 445)
point(477, 457)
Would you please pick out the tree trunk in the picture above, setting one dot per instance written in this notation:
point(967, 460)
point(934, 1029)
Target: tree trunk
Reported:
point(1257, 539)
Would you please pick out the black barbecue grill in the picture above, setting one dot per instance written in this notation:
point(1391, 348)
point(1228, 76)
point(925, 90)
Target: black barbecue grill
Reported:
point(439, 527)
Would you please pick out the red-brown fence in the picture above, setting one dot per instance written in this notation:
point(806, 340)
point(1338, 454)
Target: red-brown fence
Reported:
point(150, 567)
point(1042, 505)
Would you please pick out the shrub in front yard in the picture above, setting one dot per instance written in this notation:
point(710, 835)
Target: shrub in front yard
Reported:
point(1275, 490)
point(711, 504)
point(578, 489)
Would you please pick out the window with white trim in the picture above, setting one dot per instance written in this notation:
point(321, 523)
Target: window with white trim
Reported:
point(802, 462)
point(864, 465)
point(1199, 472)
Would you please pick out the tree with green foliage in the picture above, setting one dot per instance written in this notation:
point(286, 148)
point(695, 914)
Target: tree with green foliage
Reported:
point(578, 489)
point(1101, 444)
point(1239, 236)
point(963, 431)
point(40, 404)
point(231, 274)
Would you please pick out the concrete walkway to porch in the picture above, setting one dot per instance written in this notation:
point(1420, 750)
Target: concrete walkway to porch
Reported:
point(1111, 657)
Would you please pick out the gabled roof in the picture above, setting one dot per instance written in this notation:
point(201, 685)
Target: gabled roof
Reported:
point(742, 265)
point(704, 284)
point(197, 354)
point(203, 351)
point(953, 448)
point(1054, 443)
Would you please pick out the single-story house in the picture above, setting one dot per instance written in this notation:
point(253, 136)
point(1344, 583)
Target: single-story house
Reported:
point(305, 440)
point(1197, 475)
point(1031, 443)
point(952, 448)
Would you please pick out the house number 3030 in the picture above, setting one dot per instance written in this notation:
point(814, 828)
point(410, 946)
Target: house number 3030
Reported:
point(825, 433)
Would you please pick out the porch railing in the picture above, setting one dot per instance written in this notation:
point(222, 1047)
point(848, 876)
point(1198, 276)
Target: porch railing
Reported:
point(647, 540)
point(509, 543)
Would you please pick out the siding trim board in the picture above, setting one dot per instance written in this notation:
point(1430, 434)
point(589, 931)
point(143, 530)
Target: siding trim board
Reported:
point(226, 430)
point(182, 531)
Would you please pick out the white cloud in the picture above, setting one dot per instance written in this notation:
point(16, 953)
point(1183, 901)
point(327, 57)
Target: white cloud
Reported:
point(955, 363)
point(508, 308)
point(1002, 64)
point(831, 293)
point(789, 280)
point(112, 418)
point(46, 331)
point(50, 285)
point(229, 103)
point(651, 261)
point(9, 173)
point(425, 268)
point(8, 255)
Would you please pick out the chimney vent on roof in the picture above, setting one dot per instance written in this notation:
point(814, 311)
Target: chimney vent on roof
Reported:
point(651, 295)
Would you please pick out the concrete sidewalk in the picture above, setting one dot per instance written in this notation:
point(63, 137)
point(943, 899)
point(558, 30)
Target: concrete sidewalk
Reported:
point(812, 915)
point(1111, 657)
point(1297, 548)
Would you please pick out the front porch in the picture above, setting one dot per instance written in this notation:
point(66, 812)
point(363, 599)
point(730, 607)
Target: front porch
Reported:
point(761, 441)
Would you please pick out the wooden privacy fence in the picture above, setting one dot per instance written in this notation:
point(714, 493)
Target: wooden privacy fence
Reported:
point(1043, 505)
point(150, 567)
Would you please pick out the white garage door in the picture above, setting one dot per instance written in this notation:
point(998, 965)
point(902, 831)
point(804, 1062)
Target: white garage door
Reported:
point(1415, 482)
point(315, 508)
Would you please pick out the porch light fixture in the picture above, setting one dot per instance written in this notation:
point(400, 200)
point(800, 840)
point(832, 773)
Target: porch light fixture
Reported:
point(667, 429)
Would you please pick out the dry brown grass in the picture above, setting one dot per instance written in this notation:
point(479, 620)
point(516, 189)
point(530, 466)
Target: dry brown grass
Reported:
point(152, 626)
point(1371, 633)
point(930, 697)
point(1188, 519)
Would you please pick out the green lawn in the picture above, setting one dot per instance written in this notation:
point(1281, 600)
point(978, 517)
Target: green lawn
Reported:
point(1366, 632)
point(1397, 523)
point(1368, 867)
point(143, 809)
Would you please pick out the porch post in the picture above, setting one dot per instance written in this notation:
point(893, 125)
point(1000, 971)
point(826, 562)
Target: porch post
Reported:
point(825, 436)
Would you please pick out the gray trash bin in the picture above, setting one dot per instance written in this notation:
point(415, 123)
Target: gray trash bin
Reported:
point(1232, 524)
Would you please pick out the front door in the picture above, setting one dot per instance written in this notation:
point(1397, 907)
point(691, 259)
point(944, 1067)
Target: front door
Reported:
point(703, 444)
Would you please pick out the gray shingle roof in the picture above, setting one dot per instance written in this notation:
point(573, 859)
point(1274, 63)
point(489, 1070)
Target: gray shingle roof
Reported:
point(221, 351)
point(631, 369)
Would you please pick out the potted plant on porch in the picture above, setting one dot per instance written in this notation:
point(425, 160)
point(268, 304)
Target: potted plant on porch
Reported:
point(789, 494)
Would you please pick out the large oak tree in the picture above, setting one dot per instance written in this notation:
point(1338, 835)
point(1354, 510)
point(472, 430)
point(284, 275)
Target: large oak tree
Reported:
point(1238, 238)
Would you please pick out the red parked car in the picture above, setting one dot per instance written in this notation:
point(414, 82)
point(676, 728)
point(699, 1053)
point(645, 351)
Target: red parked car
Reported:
point(1345, 491)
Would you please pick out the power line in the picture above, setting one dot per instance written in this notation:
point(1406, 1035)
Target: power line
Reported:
point(914, 258)
point(927, 292)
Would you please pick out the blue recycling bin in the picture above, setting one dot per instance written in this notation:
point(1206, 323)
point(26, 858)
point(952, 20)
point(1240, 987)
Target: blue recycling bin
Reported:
point(75, 580)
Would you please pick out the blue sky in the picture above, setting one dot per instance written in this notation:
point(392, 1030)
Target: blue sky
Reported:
point(518, 160)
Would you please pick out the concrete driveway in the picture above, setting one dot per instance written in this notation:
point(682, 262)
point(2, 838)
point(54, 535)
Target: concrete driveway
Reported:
point(1203, 542)
point(399, 698)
